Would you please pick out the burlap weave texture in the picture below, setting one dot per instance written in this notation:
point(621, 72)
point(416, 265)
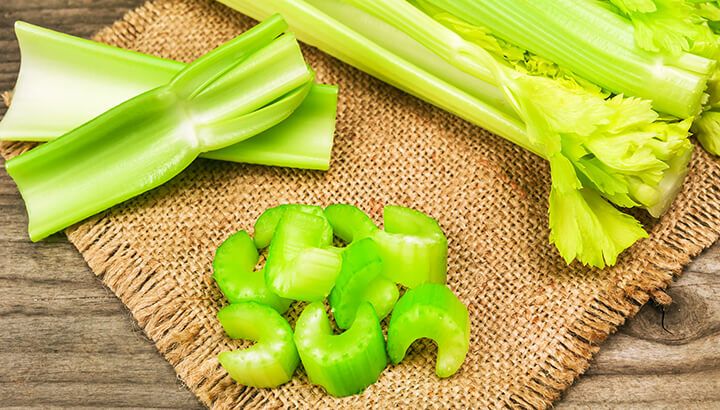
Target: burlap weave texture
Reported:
point(535, 322)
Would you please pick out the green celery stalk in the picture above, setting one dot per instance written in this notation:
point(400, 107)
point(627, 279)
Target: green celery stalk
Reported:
point(67, 81)
point(315, 26)
point(574, 34)
point(147, 140)
point(431, 311)
point(412, 246)
point(361, 279)
point(233, 270)
point(301, 263)
point(272, 360)
point(343, 364)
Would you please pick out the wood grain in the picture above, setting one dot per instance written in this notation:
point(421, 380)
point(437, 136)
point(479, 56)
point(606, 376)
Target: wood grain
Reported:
point(67, 341)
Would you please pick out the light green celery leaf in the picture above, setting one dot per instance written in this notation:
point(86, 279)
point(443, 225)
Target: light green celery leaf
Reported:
point(671, 26)
point(618, 145)
point(583, 225)
point(709, 10)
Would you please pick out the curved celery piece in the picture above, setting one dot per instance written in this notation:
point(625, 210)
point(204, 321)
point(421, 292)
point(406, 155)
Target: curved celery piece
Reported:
point(349, 222)
point(268, 221)
point(431, 311)
point(68, 81)
point(343, 364)
point(361, 280)
point(301, 264)
point(233, 270)
point(148, 139)
point(412, 246)
point(272, 360)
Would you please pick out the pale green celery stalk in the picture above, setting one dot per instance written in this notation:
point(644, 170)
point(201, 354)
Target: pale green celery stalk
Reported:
point(67, 81)
point(313, 24)
point(142, 143)
point(574, 34)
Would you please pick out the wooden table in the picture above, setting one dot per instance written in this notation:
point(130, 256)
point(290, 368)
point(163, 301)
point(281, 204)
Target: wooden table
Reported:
point(65, 340)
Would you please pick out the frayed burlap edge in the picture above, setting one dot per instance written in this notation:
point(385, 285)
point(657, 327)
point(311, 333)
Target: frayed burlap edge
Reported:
point(151, 298)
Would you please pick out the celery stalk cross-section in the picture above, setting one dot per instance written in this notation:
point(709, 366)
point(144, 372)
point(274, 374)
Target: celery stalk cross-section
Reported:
point(236, 91)
point(67, 81)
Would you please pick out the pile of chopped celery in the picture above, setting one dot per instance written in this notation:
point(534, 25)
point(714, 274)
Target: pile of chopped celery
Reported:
point(120, 122)
point(605, 91)
point(359, 283)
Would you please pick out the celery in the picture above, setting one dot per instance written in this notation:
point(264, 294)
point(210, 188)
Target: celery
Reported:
point(412, 246)
point(148, 139)
point(343, 364)
point(273, 359)
point(361, 280)
point(574, 34)
point(602, 150)
point(55, 86)
point(233, 270)
point(431, 311)
point(267, 222)
point(301, 264)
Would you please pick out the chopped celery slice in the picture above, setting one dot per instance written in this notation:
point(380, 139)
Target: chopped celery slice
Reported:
point(361, 280)
point(66, 94)
point(272, 360)
point(301, 263)
point(412, 246)
point(233, 270)
point(343, 364)
point(431, 311)
point(268, 221)
point(349, 222)
point(149, 139)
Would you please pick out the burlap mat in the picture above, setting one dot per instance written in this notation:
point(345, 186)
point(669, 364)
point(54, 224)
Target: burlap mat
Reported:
point(535, 322)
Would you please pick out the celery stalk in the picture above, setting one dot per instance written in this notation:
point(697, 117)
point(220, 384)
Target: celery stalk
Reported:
point(272, 360)
point(53, 85)
point(233, 271)
point(431, 311)
point(574, 34)
point(315, 26)
point(343, 364)
point(147, 140)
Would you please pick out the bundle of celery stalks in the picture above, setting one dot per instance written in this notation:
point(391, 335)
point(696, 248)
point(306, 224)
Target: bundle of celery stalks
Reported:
point(607, 91)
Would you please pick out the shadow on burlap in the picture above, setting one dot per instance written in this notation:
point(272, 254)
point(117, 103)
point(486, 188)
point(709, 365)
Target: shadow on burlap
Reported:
point(535, 322)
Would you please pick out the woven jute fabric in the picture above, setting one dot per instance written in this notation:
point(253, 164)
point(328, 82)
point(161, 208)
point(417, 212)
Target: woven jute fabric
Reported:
point(535, 321)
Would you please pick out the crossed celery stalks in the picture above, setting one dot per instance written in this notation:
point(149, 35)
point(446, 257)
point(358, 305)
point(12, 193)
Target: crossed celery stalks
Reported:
point(130, 122)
